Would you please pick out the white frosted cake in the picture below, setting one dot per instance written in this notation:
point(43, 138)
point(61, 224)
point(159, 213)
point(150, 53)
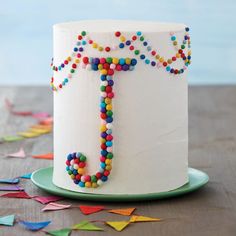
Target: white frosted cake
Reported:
point(120, 106)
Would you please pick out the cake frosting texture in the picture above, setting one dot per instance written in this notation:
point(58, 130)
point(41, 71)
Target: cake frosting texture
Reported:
point(150, 110)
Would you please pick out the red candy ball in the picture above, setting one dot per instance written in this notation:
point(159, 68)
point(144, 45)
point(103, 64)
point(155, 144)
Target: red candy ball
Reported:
point(110, 72)
point(74, 66)
point(85, 60)
point(103, 115)
point(68, 163)
point(90, 41)
point(110, 95)
point(106, 66)
point(76, 161)
point(102, 159)
point(98, 175)
point(109, 137)
point(82, 164)
point(117, 34)
point(153, 53)
point(164, 63)
point(173, 58)
point(87, 178)
point(103, 146)
point(78, 177)
point(107, 49)
point(60, 85)
point(66, 62)
point(106, 172)
point(78, 55)
point(134, 37)
point(118, 67)
point(102, 60)
point(80, 37)
point(108, 89)
point(131, 47)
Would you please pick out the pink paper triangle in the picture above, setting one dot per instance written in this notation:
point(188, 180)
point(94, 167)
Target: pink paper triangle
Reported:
point(55, 206)
point(20, 153)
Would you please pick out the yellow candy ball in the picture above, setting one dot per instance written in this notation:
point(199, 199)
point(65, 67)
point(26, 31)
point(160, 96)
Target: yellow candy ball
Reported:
point(94, 45)
point(88, 184)
point(108, 161)
point(157, 56)
point(161, 59)
point(107, 100)
point(115, 60)
point(175, 43)
point(122, 38)
point(100, 49)
point(177, 55)
point(103, 140)
point(109, 107)
point(169, 61)
point(76, 61)
point(127, 61)
point(104, 72)
point(72, 176)
point(94, 185)
point(80, 171)
point(68, 58)
point(100, 67)
point(103, 128)
point(108, 167)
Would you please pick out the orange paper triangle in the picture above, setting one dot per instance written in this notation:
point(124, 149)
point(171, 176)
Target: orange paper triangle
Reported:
point(118, 225)
point(124, 212)
point(90, 209)
point(136, 218)
point(44, 156)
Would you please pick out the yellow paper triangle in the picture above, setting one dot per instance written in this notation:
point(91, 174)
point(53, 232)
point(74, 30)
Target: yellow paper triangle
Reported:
point(28, 134)
point(135, 218)
point(40, 131)
point(124, 212)
point(118, 225)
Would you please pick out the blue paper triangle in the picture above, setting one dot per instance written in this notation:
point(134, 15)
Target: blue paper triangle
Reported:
point(34, 226)
point(7, 220)
point(26, 176)
point(9, 181)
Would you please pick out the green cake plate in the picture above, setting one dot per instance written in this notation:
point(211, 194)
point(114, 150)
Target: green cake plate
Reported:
point(42, 178)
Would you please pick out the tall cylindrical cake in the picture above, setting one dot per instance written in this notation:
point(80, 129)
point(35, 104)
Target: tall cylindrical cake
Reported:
point(120, 106)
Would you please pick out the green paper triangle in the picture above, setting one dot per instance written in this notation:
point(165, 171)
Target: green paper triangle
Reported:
point(86, 225)
point(60, 232)
point(7, 220)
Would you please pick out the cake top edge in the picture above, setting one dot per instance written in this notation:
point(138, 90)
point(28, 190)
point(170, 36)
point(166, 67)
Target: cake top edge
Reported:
point(122, 25)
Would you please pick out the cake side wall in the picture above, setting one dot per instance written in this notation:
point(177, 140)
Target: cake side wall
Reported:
point(150, 120)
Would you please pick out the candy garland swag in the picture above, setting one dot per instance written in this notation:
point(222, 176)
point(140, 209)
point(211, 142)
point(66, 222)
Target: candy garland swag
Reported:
point(76, 162)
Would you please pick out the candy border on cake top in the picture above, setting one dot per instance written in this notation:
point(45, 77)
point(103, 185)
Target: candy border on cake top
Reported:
point(158, 61)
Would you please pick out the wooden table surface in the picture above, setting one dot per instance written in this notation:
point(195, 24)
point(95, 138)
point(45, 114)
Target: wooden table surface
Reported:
point(212, 148)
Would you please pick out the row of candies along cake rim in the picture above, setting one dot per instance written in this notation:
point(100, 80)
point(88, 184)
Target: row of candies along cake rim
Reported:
point(76, 162)
point(83, 40)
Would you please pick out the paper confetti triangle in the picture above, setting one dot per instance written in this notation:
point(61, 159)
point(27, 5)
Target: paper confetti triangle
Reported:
point(40, 131)
point(40, 115)
point(12, 138)
point(90, 209)
point(7, 220)
point(47, 121)
point(60, 232)
point(21, 194)
point(9, 181)
point(26, 176)
point(87, 226)
point(48, 156)
point(34, 226)
point(47, 127)
point(20, 153)
point(28, 134)
point(55, 206)
point(48, 199)
point(118, 225)
point(136, 218)
point(11, 188)
point(124, 212)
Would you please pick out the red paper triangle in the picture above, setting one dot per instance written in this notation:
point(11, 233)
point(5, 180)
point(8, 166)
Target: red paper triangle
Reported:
point(21, 194)
point(90, 209)
point(44, 156)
